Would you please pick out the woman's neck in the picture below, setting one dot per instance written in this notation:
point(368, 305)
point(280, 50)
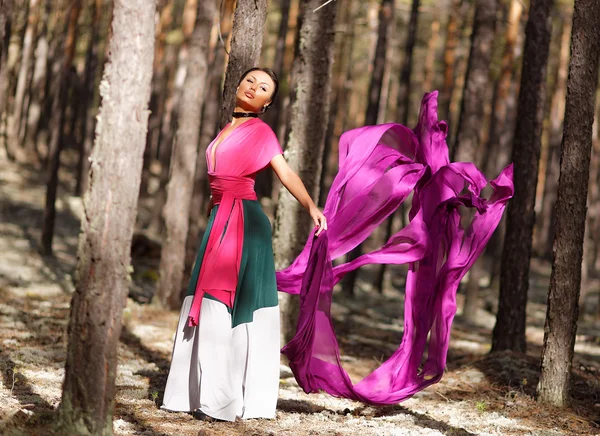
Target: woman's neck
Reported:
point(237, 121)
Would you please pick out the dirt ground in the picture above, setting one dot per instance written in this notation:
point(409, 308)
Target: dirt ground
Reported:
point(480, 394)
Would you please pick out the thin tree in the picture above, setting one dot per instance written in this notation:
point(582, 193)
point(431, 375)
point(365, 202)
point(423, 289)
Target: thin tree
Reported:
point(5, 11)
point(107, 227)
point(509, 331)
point(24, 71)
point(86, 119)
point(402, 103)
point(469, 134)
point(183, 161)
point(386, 17)
point(403, 99)
point(497, 150)
point(311, 83)
point(264, 180)
point(37, 88)
point(455, 18)
point(544, 231)
point(565, 280)
point(55, 147)
point(248, 24)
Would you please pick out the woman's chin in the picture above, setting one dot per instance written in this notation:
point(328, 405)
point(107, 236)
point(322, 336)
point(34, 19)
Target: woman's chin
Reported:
point(246, 106)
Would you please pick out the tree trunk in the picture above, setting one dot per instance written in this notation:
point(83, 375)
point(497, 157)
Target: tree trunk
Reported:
point(562, 312)
point(163, 61)
point(497, 150)
point(468, 137)
point(107, 228)
point(509, 331)
point(169, 96)
point(374, 95)
point(24, 73)
point(455, 18)
point(264, 180)
point(5, 13)
point(38, 84)
point(544, 231)
point(56, 138)
point(183, 161)
point(403, 100)
point(89, 74)
point(385, 18)
point(470, 127)
point(402, 108)
point(209, 129)
point(341, 78)
point(248, 24)
point(431, 55)
point(311, 80)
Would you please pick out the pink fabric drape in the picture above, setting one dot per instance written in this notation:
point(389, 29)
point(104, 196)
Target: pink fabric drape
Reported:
point(379, 166)
point(238, 157)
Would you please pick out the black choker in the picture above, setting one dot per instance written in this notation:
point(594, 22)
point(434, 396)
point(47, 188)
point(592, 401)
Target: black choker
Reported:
point(245, 115)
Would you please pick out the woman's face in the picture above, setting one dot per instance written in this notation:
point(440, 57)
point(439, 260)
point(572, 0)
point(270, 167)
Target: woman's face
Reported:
point(255, 91)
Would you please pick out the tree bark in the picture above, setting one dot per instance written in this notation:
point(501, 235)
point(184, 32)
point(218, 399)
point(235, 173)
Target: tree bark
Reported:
point(183, 161)
point(385, 18)
point(38, 83)
point(56, 138)
point(374, 95)
point(455, 18)
point(85, 118)
point(107, 228)
point(544, 232)
point(562, 312)
point(341, 78)
point(497, 150)
point(403, 100)
point(24, 72)
point(468, 137)
point(164, 58)
point(509, 331)
point(264, 180)
point(248, 24)
point(402, 107)
point(311, 82)
point(428, 80)
point(5, 13)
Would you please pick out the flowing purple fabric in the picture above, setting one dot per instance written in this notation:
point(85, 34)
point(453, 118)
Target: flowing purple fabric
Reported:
point(379, 166)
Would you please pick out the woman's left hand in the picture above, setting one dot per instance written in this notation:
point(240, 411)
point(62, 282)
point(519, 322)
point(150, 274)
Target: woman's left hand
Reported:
point(319, 219)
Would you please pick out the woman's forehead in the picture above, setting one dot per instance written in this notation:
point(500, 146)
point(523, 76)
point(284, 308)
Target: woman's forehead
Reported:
point(261, 76)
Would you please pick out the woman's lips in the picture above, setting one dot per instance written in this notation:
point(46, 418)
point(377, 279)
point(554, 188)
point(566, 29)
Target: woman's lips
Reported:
point(248, 94)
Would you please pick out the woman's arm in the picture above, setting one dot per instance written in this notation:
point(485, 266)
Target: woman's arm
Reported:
point(292, 183)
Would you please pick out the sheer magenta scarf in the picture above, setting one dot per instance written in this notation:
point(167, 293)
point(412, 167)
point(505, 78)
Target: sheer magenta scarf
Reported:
point(379, 166)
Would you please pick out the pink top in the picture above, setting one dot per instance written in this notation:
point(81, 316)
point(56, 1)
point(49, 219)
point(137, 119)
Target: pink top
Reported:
point(248, 149)
point(232, 167)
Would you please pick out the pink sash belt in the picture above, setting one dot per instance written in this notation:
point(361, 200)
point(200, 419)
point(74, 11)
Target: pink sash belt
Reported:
point(221, 263)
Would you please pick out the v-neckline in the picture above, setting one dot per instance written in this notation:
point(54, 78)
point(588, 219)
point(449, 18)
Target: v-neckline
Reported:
point(217, 143)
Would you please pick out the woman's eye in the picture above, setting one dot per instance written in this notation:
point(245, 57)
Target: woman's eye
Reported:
point(264, 89)
point(249, 80)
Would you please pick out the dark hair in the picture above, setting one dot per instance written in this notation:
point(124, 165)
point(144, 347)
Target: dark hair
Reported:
point(273, 77)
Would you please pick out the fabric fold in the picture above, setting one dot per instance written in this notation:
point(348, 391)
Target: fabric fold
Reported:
point(225, 243)
point(379, 168)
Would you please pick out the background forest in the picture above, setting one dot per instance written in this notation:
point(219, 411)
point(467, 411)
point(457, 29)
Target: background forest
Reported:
point(517, 82)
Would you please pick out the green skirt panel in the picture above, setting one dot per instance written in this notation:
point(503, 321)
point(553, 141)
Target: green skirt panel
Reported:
point(257, 287)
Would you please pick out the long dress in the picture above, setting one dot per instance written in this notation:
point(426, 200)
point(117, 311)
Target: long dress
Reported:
point(225, 358)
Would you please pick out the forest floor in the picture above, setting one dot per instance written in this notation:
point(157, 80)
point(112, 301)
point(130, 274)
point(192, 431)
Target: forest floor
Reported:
point(480, 394)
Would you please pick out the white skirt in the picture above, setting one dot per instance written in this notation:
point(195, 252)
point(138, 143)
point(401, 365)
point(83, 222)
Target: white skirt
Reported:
point(225, 372)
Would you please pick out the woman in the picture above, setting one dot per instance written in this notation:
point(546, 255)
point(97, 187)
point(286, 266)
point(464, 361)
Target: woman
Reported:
point(225, 362)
